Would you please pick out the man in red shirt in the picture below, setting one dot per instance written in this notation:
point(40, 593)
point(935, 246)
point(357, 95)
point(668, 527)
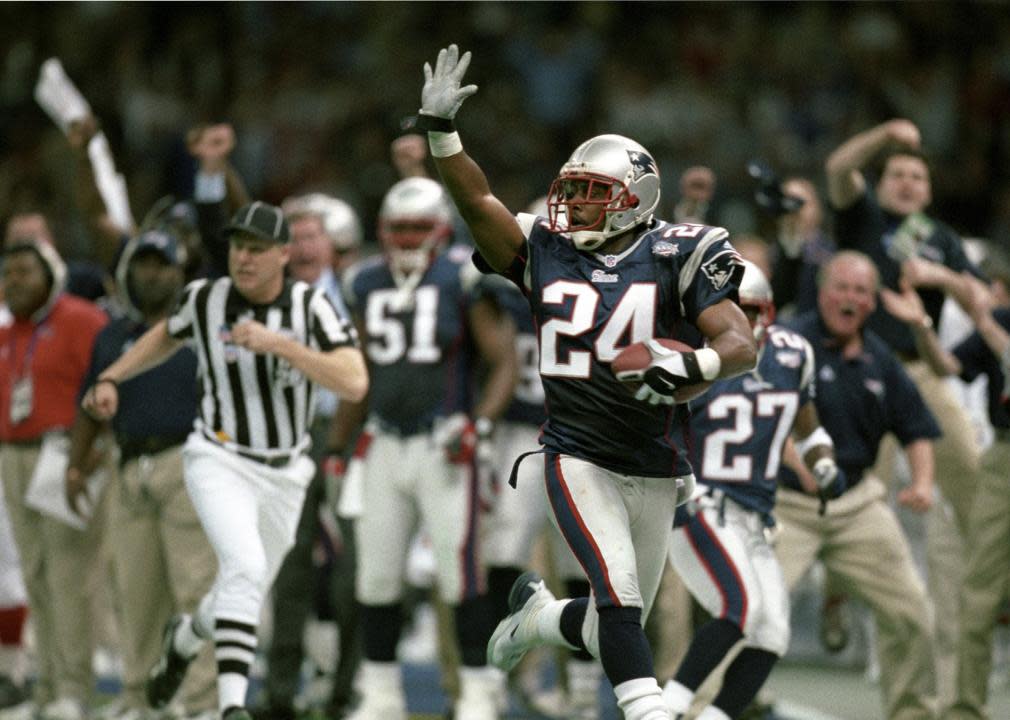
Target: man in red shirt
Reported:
point(44, 354)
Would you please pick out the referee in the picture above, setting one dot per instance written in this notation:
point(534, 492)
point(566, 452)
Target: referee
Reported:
point(263, 343)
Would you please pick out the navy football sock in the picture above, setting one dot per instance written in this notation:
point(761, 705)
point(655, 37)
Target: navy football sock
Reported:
point(744, 677)
point(578, 589)
point(624, 650)
point(710, 644)
point(499, 585)
point(475, 623)
point(572, 617)
point(381, 624)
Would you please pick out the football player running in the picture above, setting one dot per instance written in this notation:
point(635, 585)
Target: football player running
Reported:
point(601, 272)
point(719, 544)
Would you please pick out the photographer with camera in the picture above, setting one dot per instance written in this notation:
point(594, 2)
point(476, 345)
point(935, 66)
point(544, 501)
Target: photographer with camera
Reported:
point(803, 244)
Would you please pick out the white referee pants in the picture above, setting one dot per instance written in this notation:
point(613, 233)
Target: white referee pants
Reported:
point(250, 512)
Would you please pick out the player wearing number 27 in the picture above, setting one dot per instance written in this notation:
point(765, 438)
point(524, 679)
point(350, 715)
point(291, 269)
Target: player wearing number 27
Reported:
point(719, 545)
point(601, 272)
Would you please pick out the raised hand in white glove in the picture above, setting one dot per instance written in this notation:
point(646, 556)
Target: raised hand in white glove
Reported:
point(442, 95)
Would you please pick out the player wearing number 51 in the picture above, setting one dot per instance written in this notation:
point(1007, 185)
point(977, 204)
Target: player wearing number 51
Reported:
point(427, 324)
point(601, 272)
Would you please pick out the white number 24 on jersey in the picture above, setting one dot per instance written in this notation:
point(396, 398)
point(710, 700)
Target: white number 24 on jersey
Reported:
point(633, 317)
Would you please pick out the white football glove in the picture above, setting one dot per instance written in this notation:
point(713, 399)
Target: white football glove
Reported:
point(671, 369)
point(442, 96)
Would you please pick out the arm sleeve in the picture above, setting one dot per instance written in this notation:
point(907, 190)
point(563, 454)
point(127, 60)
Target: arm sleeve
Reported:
point(180, 320)
point(330, 328)
point(851, 223)
point(710, 274)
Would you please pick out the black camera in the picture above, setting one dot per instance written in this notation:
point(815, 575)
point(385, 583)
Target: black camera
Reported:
point(768, 194)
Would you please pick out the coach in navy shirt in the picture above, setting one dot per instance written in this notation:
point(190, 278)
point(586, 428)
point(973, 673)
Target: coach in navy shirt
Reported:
point(863, 393)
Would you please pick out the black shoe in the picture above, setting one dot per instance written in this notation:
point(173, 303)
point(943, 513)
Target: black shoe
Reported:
point(165, 678)
point(236, 713)
point(10, 693)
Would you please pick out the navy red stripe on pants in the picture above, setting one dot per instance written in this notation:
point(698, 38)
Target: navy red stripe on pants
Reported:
point(576, 534)
point(720, 567)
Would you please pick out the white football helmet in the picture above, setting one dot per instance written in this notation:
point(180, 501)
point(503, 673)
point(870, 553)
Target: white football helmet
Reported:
point(415, 222)
point(756, 292)
point(611, 171)
point(340, 222)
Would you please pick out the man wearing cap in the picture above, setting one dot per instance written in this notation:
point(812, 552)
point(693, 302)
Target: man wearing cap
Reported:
point(43, 357)
point(325, 232)
point(163, 562)
point(263, 342)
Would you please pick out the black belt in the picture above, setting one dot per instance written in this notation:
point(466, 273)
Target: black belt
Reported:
point(274, 461)
point(132, 447)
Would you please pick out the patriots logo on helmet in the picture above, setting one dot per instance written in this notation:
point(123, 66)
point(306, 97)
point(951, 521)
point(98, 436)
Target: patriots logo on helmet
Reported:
point(641, 164)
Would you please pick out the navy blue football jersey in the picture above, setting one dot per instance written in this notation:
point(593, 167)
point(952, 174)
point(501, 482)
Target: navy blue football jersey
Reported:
point(418, 344)
point(587, 307)
point(740, 425)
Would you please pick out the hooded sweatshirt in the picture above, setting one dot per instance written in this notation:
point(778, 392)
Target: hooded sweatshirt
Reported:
point(43, 359)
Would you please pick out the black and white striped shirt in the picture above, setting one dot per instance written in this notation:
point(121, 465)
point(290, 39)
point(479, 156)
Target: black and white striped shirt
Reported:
point(253, 402)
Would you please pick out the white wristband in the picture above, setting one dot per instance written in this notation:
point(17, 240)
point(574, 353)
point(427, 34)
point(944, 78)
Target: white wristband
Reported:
point(444, 144)
point(818, 437)
point(709, 363)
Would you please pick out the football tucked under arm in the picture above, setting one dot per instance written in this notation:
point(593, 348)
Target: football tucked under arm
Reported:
point(666, 371)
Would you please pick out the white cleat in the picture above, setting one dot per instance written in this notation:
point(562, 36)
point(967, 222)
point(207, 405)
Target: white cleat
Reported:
point(517, 633)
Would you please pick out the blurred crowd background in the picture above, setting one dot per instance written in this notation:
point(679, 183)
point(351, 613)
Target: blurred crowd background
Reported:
point(316, 92)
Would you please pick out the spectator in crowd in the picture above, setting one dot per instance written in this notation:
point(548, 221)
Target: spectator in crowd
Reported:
point(426, 325)
point(803, 248)
point(987, 536)
point(862, 393)
point(162, 562)
point(45, 354)
point(891, 225)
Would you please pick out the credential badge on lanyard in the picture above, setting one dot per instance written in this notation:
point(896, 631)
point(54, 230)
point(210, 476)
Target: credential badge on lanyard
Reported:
point(22, 390)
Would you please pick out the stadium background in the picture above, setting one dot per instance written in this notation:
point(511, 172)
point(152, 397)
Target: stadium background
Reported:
point(316, 92)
